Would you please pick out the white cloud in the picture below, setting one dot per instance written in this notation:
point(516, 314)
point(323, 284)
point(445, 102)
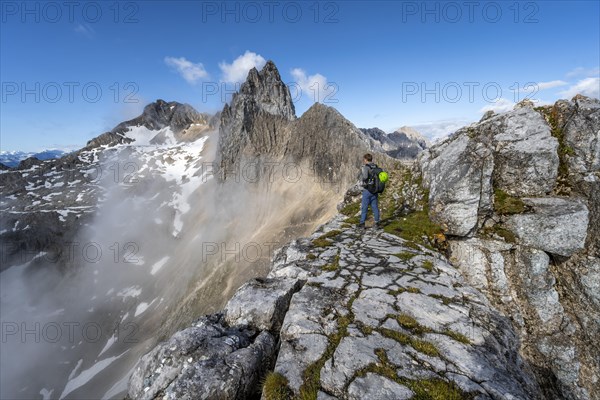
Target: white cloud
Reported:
point(588, 86)
point(587, 72)
point(315, 87)
point(436, 130)
point(237, 71)
point(502, 105)
point(86, 30)
point(542, 86)
point(188, 70)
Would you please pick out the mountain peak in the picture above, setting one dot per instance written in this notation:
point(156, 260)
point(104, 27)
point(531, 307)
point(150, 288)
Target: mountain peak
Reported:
point(156, 115)
point(265, 91)
point(270, 68)
point(412, 134)
point(263, 100)
point(320, 108)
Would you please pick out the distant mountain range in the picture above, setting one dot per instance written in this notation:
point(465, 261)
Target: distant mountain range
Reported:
point(404, 143)
point(13, 158)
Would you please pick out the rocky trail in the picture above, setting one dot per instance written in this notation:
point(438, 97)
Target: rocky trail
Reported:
point(346, 314)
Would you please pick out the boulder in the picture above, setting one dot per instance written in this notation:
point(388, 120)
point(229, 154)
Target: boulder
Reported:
point(556, 225)
point(525, 152)
point(261, 303)
point(207, 358)
point(458, 174)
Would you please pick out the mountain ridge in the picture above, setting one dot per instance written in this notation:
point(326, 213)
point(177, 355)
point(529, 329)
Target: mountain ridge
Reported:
point(479, 193)
point(324, 309)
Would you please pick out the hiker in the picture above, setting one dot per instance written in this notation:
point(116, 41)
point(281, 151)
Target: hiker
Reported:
point(370, 197)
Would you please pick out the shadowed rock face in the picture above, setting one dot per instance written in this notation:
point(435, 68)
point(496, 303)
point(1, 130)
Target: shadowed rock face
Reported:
point(260, 125)
point(257, 119)
point(519, 193)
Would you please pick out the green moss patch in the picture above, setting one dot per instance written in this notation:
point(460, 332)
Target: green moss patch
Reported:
point(334, 265)
point(330, 234)
point(504, 204)
point(312, 374)
point(564, 150)
point(421, 346)
point(445, 300)
point(415, 227)
point(352, 220)
point(425, 347)
point(405, 255)
point(323, 240)
point(436, 389)
point(499, 230)
point(350, 209)
point(408, 322)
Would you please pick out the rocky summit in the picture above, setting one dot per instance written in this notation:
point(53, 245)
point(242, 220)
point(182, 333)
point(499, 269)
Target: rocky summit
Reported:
point(260, 126)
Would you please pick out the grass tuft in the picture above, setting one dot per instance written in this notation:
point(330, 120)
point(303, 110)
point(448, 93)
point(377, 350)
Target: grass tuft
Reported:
point(275, 387)
point(334, 265)
point(415, 227)
point(459, 337)
point(428, 265)
point(323, 240)
point(436, 389)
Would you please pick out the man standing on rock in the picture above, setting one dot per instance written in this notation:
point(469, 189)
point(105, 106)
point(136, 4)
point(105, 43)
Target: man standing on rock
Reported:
point(368, 197)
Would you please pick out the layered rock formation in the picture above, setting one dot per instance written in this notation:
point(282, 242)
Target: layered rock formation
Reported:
point(260, 127)
point(517, 193)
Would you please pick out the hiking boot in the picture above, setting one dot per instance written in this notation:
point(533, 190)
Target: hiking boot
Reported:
point(376, 225)
point(361, 226)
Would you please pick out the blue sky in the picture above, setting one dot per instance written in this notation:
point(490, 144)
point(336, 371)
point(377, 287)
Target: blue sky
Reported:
point(69, 74)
